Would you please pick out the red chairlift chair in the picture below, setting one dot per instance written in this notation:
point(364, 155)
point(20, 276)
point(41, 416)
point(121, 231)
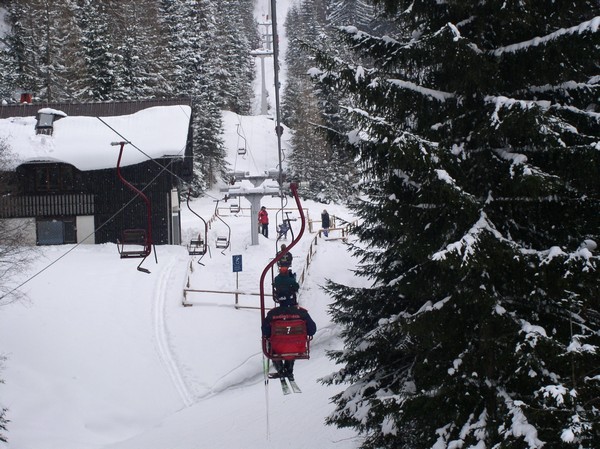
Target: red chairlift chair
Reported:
point(288, 341)
point(137, 242)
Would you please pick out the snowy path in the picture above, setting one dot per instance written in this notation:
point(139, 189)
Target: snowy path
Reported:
point(161, 334)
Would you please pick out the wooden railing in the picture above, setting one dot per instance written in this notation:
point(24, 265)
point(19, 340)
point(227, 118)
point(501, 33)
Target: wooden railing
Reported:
point(300, 276)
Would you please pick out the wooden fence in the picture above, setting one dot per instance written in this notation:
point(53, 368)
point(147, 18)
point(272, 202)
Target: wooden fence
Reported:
point(300, 276)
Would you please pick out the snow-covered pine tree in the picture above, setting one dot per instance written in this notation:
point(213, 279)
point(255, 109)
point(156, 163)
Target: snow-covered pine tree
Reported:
point(477, 131)
point(190, 25)
point(315, 158)
point(358, 13)
point(236, 72)
point(42, 34)
point(97, 81)
point(9, 72)
point(142, 62)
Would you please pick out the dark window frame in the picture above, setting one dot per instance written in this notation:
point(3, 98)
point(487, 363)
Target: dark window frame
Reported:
point(69, 230)
point(54, 178)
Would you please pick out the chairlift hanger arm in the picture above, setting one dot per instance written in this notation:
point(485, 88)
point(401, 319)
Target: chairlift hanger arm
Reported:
point(128, 184)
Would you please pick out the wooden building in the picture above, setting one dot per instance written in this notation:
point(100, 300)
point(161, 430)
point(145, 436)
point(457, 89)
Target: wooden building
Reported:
point(60, 180)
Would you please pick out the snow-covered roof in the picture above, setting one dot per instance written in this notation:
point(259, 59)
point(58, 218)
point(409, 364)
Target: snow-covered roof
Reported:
point(85, 142)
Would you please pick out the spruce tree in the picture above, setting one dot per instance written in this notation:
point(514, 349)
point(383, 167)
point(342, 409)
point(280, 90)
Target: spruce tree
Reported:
point(97, 48)
point(8, 72)
point(142, 62)
point(190, 26)
point(42, 34)
point(312, 114)
point(236, 72)
point(476, 129)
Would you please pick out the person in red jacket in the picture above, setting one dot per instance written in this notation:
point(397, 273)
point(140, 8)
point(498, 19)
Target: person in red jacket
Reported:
point(263, 220)
point(287, 310)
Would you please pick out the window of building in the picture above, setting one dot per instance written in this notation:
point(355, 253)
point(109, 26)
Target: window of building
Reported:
point(45, 124)
point(56, 231)
point(54, 178)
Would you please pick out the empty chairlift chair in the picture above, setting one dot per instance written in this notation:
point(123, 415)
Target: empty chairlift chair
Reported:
point(197, 246)
point(235, 208)
point(137, 242)
point(223, 238)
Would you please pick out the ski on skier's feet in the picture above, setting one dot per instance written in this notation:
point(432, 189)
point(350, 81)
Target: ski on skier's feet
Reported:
point(285, 388)
point(294, 385)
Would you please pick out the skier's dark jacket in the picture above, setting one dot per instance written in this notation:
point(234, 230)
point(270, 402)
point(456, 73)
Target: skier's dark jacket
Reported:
point(285, 285)
point(288, 312)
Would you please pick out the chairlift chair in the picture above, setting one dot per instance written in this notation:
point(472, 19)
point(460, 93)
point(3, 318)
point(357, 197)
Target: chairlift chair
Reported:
point(137, 242)
point(235, 208)
point(197, 246)
point(223, 240)
point(241, 150)
point(289, 340)
point(132, 243)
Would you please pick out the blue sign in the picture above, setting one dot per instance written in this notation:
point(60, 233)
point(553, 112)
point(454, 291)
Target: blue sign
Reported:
point(237, 263)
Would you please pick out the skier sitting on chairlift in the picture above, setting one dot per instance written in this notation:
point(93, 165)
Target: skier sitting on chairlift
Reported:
point(285, 286)
point(282, 230)
point(288, 310)
point(286, 259)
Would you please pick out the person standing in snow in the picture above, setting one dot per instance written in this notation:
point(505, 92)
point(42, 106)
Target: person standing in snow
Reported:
point(325, 223)
point(263, 220)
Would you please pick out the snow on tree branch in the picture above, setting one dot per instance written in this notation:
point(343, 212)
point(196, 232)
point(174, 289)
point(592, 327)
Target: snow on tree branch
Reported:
point(517, 160)
point(504, 102)
point(435, 94)
point(443, 175)
point(466, 245)
point(588, 26)
point(520, 427)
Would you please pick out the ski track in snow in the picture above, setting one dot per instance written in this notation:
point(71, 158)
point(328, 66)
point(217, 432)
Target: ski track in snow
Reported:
point(161, 335)
point(224, 383)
